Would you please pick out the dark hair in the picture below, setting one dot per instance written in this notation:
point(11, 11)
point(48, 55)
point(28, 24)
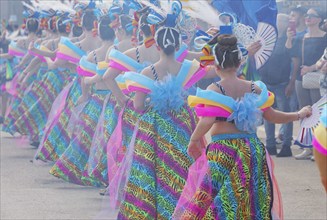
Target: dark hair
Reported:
point(77, 31)
point(145, 26)
point(32, 25)
point(126, 24)
point(227, 52)
point(321, 13)
point(62, 27)
point(105, 31)
point(300, 10)
point(88, 20)
point(52, 24)
point(168, 39)
point(214, 40)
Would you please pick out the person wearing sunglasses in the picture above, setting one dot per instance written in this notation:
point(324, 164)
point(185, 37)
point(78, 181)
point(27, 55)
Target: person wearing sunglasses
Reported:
point(307, 51)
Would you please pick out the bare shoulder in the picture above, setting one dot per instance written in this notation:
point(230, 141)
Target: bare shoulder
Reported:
point(90, 57)
point(147, 72)
point(213, 87)
point(131, 53)
point(252, 84)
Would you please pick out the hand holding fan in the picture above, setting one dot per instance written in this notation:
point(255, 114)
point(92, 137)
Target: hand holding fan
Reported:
point(267, 36)
point(305, 136)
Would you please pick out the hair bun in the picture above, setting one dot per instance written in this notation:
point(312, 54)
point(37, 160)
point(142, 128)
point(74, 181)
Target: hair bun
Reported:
point(226, 52)
point(227, 40)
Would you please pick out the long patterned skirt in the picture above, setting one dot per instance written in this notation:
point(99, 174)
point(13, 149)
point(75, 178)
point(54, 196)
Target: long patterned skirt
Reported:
point(22, 91)
point(57, 135)
point(97, 164)
point(237, 184)
point(71, 165)
point(159, 165)
point(36, 104)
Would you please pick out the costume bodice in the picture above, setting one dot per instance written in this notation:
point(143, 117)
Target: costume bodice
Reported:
point(246, 112)
point(168, 93)
point(69, 51)
point(14, 50)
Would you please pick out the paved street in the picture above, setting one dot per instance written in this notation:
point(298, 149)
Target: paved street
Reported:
point(30, 192)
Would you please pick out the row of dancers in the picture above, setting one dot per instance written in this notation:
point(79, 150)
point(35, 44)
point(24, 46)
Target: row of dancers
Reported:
point(118, 108)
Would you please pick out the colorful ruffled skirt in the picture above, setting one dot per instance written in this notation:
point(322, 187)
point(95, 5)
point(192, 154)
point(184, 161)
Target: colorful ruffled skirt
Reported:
point(18, 93)
point(105, 143)
point(159, 165)
point(72, 163)
point(237, 183)
point(57, 133)
point(32, 112)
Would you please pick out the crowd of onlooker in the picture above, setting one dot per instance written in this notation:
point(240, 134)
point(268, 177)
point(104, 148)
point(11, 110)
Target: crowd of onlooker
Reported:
point(296, 71)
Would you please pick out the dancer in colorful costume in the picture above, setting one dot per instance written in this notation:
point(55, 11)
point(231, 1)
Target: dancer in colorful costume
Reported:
point(57, 135)
point(80, 172)
point(62, 71)
point(19, 49)
point(320, 147)
point(57, 25)
point(135, 59)
point(71, 164)
point(156, 165)
point(238, 181)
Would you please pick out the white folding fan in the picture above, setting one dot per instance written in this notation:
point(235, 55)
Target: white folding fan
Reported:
point(307, 125)
point(267, 35)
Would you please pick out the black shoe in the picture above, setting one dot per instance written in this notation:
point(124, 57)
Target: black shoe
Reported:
point(104, 192)
point(285, 152)
point(272, 150)
point(35, 144)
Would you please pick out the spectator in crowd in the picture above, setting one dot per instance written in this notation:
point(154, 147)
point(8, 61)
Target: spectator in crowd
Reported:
point(276, 75)
point(307, 51)
point(297, 19)
point(296, 16)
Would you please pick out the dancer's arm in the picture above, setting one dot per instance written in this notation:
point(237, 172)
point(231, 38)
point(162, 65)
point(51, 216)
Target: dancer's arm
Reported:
point(109, 80)
point(195, 146)
point(28, 74)
point(57, 63)
point(139, 101)
point(5, 56)
point(277, 117)
point(140, 97)
point(193, 55)
point(50, 54)
point(35, 62)
point(92, 80)
point(203, 126)
point(26, 59)
point(85, 92)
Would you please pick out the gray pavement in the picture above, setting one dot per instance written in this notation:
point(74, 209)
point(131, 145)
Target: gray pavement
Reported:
point(30, 192)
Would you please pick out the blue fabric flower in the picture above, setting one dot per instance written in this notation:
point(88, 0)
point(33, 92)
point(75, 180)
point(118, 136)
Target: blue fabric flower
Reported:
point(246, 115)
point(167, 95)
